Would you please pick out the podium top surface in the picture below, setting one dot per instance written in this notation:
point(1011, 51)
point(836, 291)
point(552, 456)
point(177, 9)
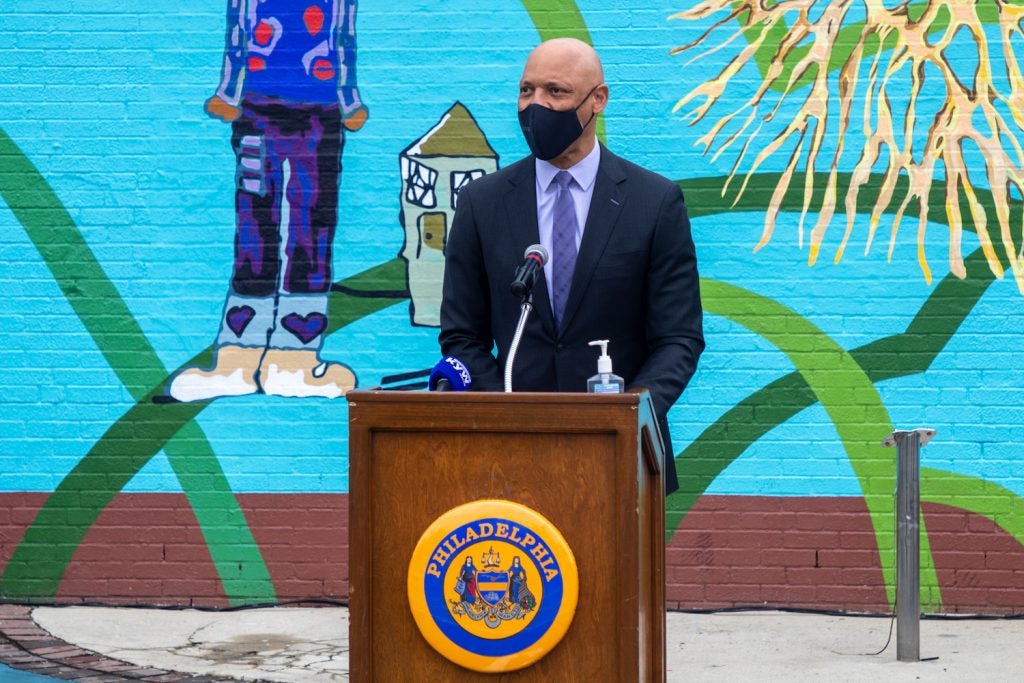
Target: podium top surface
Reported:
point(632, 397)
point(540, 412)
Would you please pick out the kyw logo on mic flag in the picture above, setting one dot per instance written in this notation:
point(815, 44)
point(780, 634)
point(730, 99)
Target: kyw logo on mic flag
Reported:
point(452, 370)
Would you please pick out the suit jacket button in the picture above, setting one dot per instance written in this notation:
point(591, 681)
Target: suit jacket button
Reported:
point(559, 347)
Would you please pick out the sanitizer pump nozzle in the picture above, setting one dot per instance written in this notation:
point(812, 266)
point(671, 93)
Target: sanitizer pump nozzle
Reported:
point(605, 382)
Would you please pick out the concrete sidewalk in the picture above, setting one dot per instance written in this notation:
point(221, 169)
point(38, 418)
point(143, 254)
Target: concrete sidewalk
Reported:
point(311, 644)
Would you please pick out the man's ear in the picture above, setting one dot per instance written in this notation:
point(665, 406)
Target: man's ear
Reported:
point(600, 98)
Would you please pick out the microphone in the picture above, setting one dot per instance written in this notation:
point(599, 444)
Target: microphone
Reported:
point(450, 374)
point(526, 275)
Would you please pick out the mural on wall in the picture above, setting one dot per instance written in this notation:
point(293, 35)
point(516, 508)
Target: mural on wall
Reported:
point(289, 92)
point(798, 45)
point(434, 169)
point(843, 354)
point(795, 47)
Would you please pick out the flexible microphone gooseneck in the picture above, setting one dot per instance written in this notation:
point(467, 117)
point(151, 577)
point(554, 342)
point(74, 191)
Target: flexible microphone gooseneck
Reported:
point(526, 275)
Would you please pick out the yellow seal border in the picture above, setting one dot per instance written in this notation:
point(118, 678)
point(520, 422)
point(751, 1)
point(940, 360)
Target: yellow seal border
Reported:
point(531, 520)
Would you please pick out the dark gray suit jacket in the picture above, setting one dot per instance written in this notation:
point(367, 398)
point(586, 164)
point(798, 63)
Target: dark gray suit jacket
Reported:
point(635, 284)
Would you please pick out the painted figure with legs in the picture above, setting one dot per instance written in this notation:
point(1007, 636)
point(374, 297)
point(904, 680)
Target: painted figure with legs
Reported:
point(289, 92)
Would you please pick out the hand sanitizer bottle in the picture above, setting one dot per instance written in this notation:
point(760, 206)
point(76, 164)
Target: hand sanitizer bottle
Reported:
point(605, 382)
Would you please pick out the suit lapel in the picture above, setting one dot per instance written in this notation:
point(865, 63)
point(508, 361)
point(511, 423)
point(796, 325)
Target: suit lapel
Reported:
point(521, 214)
point(605, 205)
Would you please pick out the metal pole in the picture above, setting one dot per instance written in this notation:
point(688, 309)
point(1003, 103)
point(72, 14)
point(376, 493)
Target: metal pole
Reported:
point(908, 549)
point(908, 540)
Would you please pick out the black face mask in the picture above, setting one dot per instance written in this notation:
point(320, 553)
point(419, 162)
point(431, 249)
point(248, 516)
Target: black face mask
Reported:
point(549, 132)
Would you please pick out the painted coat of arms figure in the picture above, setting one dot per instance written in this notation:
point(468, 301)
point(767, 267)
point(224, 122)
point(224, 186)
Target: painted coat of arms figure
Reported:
point(493, 595)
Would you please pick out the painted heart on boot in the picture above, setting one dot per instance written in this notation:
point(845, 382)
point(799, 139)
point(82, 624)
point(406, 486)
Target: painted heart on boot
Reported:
point(239, 317)
point(305, 327)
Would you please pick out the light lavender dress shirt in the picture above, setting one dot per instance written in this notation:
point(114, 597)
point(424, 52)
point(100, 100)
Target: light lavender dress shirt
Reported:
point(584, 173)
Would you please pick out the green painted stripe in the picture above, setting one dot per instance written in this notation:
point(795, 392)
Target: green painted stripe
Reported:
point(979, 496)
point(558, 19)
point(908, 353)
point(562, 19)
point(844, 390)
point(38, 564)
point(45, 551)
point(76, 271)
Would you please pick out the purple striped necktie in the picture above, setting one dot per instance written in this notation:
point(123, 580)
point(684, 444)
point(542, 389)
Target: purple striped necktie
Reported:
point(563, 245)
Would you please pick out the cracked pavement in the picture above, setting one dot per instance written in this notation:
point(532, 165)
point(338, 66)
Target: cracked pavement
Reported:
point(291, 644)
point(108, 644)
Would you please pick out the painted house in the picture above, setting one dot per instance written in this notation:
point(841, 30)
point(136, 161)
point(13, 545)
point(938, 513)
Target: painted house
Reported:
point(434, 168)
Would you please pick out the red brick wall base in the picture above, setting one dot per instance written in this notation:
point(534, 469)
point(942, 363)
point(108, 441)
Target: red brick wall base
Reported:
point(729, 551)
point(820, 553)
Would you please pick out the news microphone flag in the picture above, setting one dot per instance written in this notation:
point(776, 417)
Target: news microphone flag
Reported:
point(450, 374)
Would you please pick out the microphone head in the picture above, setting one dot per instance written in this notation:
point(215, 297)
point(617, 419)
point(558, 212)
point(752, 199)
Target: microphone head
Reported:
point(537, 251)
point(453, 371)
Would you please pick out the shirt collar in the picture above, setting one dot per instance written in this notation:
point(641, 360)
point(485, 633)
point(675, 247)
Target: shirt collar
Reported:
point(584, 172)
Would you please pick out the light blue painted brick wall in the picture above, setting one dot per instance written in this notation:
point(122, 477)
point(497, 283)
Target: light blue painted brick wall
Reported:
point(105, 98)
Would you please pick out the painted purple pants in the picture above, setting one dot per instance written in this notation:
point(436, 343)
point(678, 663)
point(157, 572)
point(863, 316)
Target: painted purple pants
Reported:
point(288, 151)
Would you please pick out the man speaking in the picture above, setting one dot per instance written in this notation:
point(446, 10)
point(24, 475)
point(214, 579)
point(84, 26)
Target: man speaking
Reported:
point(622, 264)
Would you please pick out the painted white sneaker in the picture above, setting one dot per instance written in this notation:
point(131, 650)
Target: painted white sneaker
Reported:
point(233, 374)
point(301, 373)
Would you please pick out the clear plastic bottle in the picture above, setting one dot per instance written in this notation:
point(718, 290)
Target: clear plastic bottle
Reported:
point(605, 381)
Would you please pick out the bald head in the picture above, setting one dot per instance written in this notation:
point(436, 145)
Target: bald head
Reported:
point(564, 74)
point(570, 55)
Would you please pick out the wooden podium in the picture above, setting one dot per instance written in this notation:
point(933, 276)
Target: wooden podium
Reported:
point(591, 464)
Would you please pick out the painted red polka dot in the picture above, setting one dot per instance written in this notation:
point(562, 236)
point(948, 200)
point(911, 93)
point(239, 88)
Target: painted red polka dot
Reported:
point(263, 34)
point(314, 18)
point(257, 64)
point(323, 69)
